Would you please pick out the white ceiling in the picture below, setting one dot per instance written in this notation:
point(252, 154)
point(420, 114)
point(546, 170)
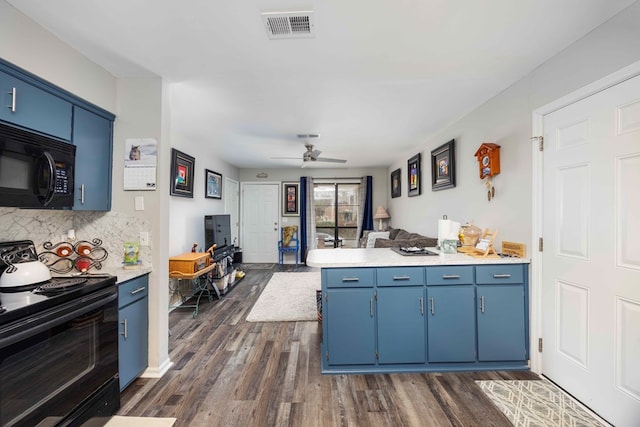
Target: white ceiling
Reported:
point(377, 79)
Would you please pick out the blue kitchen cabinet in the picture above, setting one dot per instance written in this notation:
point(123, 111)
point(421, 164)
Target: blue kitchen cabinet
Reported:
point(501, 313)
point(433, 318)
point(401, 325)
point(451, 323)
point(133, 329)
point(349, 326)
point(27, 104)
point(92, 136)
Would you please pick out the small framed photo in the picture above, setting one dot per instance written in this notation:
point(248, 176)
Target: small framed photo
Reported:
point(181, 174)
point(396, 183)
point(290, 199)
point(443, 167)
point(413, 174)
point(212, 184)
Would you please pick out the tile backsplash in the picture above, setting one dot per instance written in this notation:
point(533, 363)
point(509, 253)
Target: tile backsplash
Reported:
point(112, 228)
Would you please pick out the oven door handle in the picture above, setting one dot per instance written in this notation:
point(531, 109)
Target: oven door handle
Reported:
point(25, 329)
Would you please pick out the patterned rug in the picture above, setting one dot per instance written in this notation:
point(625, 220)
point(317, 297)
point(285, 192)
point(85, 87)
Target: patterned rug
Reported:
point(537, 403)
point(287, 297)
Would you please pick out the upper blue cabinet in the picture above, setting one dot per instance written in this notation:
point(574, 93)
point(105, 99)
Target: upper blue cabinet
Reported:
point(92, 138)
point(33, 108)
point(36, 105)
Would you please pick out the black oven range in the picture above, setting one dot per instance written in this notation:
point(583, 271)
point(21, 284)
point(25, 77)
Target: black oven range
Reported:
point(58, 344)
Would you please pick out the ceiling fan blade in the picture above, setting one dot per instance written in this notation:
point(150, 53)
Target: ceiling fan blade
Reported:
point(286, 158)
point(327, 159)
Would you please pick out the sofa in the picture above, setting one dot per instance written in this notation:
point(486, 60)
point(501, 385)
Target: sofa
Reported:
point(395, 238)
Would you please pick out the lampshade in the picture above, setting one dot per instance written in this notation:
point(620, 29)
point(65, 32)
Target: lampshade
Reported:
point(381, 213)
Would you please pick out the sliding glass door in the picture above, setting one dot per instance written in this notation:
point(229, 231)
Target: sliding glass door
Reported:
point(336, 211)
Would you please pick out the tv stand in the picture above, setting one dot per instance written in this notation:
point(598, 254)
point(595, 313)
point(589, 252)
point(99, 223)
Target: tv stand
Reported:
point(220, 253)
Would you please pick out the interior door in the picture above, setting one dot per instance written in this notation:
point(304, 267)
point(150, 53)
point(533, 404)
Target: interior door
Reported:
point(232, 207)
point(260, 222)
point(591, 257)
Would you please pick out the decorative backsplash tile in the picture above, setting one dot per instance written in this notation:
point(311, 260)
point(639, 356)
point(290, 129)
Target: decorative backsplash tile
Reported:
point(112, 228)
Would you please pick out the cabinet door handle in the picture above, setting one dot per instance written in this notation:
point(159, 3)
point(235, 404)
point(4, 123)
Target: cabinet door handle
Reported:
point(137, 290)
point(13, 94)
point(401, 278)
point(450, 276)
point(350, 279)
point(433, 306)
point(501, 276)
point(82, 194)
point(124, 333)
point(421, 306)
point(482, 304)
point(371, 307)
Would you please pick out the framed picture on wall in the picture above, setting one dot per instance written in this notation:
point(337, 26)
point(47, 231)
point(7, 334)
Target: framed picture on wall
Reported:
point(413, 174)
point(181, 174)
point(290, 199)
point(212, 184)
point(443, 167)
point(396, 183)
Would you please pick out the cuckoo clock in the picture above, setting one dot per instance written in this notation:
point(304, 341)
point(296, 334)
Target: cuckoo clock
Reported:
point(488, 156)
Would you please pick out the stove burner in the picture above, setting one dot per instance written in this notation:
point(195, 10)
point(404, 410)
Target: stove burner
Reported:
point(60, 285)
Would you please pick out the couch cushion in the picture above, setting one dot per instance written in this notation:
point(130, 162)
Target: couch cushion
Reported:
point(393, 232)
point(402, 235)
point(374, 235)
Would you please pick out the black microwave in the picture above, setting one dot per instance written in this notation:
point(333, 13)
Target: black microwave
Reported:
point(35, 171)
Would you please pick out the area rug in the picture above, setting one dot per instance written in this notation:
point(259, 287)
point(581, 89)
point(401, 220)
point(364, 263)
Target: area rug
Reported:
point(537, 403)
point(288, 297)
point(120, 421)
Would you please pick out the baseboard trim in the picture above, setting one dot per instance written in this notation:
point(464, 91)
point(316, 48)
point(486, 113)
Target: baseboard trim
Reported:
point(152, 372)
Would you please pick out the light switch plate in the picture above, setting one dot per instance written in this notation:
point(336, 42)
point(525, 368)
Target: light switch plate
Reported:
point(139, 203)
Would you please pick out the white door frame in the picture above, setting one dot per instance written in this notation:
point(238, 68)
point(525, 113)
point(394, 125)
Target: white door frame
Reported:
point(235, 228)
point(537, 129)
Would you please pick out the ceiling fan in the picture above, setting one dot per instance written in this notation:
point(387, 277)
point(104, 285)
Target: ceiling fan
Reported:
point(312, 155)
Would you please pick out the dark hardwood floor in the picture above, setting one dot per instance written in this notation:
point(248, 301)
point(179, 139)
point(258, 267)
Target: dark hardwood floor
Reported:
point(229, 372)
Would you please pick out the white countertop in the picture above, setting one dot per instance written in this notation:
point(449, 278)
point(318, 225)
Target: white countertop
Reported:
point(385, 257)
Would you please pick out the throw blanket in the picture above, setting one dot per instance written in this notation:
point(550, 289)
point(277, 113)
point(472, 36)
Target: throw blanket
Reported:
point(288, 233)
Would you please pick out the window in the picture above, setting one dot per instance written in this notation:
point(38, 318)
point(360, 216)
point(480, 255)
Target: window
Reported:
point(336, 211)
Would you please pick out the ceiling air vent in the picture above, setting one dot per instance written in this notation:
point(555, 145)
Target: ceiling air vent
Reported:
point(289, 25)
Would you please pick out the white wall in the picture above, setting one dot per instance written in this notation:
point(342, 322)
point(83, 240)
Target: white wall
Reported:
point(187, 215)
point(26, 44)
point(506, 120)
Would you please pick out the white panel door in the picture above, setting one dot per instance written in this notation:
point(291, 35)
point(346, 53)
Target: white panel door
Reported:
point(591, 257)
point(260, 222)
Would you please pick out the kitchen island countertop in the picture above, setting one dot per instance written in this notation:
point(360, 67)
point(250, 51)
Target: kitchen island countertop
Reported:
point(385, 257)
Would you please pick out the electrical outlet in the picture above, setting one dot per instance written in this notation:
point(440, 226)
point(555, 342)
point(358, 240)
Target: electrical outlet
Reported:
point(144, 238)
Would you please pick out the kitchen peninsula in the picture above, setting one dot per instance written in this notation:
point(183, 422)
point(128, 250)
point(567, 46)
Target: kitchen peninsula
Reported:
point(386, 312)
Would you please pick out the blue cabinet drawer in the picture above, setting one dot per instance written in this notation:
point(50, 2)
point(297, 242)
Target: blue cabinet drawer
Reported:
point(404, 276)
point(492, 274)
point(132, 290)
point(450, 275)
point(349, 277)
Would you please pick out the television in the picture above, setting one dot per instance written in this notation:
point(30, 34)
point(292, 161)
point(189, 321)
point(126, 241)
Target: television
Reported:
point(217, 229)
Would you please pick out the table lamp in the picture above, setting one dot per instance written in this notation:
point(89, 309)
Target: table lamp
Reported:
point(381, 213)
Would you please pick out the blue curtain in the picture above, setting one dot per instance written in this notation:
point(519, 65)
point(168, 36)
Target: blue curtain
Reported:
point(303, 218)
point(367, 217)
